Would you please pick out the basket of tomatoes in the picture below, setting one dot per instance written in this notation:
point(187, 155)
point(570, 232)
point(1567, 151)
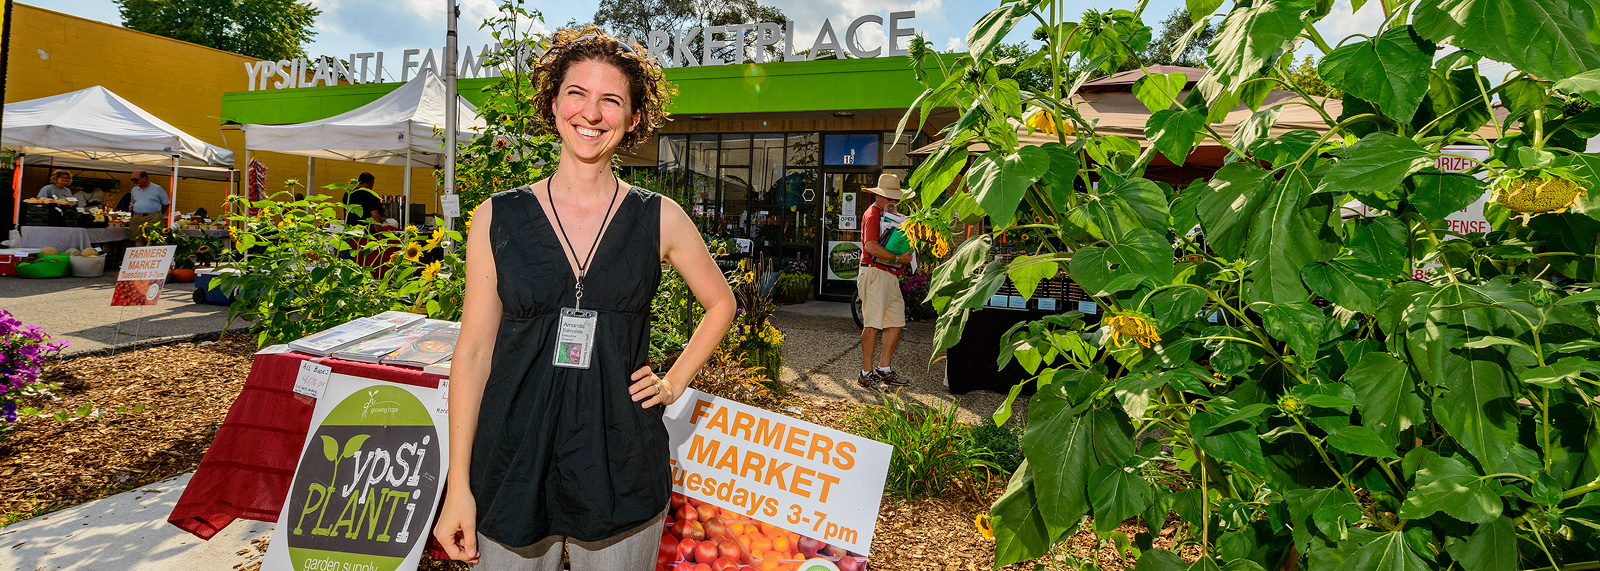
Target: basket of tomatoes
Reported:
point(699, 536)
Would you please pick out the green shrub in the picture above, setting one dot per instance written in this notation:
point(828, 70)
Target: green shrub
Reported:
point(934, 454)
point(1002, 443)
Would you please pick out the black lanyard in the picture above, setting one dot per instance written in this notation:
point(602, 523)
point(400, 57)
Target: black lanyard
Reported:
point(583, 266)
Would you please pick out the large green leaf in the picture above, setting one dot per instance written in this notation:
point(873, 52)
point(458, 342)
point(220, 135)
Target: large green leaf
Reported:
point(1256, 127)
point(1298, 323)
point(1386, 552)
point(1380, 241)
point(1552, 39)
point(999, 181)
point(1117, 494)
point(1027, 271)
point(1147, 201)
point(1361, 441)
point(1063, 169)
point(992, 28)
point(1288, 231)
point(1492, 547)
point(1304, 504)
point(1161, 560)
point(1200, 9)
point(1390, 69)
point(1057, 444)
point(1346, 281)
point(1375, 165)
point(1227, 205)
point(1158, 91)
point(1236, 442)
point(1386, 392)
point(1586, 85)
point(1143, 256)
point(1436, 195)
point(1446, 93)
point(1253, 36)
point(1475, 406)
point(1172, 131)
point(1450, 485)
point(939, 173)
point(1019, 530)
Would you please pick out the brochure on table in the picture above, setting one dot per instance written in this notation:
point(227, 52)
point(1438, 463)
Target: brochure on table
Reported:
point(759, 467)
point(144, 271)
point(369, 480)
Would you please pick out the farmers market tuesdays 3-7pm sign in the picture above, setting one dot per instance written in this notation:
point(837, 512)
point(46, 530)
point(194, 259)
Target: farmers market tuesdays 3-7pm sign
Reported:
point(368, 482)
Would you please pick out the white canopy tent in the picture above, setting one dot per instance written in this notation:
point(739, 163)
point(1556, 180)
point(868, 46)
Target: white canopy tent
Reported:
point(404, 128)
point(93, 128)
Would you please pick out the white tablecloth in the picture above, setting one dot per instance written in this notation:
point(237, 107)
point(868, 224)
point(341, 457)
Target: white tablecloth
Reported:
point(64, 238)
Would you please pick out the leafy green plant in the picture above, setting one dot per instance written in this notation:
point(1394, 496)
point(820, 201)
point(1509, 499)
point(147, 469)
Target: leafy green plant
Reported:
point(934, 454)
point(1003, 444)
point(511, 151)
point(1317, 391)
point(300, 275)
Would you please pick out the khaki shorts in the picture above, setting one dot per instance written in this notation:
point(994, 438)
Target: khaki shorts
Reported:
point(882, 306)
point(138, 220)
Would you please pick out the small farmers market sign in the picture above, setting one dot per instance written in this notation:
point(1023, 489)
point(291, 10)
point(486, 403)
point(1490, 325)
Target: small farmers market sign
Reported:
point(368, 481)
point(144, 271)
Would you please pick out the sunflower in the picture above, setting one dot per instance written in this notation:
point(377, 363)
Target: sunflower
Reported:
point(204, 249)
point(985, 528)
point(433, 241)
point(1132, 326)
point(413, 251)
point(430, 271)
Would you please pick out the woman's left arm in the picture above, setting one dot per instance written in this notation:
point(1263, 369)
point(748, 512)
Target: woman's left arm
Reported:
point(682, 247)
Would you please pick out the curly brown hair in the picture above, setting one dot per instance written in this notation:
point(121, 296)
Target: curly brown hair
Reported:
point(648, 90)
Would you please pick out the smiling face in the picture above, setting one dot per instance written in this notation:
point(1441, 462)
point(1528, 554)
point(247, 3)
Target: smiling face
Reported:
point(592, 110)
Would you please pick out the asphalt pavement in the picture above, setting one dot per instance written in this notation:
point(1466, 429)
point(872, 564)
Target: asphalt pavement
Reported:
point(79, 310)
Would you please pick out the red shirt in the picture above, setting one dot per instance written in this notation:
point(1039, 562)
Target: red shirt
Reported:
point(871, 231)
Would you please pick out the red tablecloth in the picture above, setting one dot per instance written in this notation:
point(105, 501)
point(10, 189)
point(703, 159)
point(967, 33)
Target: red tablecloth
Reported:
point(248, 469)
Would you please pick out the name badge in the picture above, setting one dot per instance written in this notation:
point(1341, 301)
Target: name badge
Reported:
point(575, 341)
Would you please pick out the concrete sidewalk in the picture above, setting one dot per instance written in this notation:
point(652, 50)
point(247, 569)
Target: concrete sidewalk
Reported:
point(79, 310)
point(125, 532)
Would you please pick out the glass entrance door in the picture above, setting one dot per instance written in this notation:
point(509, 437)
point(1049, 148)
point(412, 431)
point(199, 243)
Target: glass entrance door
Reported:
point(844, 203)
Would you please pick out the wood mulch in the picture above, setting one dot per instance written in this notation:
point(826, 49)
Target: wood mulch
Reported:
point(186, 389)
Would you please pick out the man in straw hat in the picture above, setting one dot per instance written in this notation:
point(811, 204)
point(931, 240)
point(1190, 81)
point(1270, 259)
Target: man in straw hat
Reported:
point(882, 307)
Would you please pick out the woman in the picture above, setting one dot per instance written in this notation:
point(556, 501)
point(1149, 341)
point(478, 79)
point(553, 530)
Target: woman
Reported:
point(559, 277)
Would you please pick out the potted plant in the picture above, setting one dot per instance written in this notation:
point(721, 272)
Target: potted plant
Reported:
point(794, 282)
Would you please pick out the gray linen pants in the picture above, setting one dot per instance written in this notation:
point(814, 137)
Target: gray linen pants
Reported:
point(632, 550)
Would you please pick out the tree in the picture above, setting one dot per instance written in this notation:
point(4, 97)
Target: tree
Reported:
point(1164, 50)
point(1036, 79)
point(1305, 75)
point(635, 19)
point(264, 29)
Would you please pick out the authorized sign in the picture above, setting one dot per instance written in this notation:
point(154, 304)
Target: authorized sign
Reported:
point(809, 479)
point(368, 483)
point(144, 271)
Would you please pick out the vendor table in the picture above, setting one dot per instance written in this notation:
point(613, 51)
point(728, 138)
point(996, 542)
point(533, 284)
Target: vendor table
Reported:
point(64, 238)
point(970, 364)
point(248, 469)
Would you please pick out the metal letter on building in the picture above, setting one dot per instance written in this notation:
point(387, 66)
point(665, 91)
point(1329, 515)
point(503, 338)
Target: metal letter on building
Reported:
point(896, 32)
point(853, 43)
point(682, 47)
point(826, 40)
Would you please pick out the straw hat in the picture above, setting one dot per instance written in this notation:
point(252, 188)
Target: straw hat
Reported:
point(888, 187)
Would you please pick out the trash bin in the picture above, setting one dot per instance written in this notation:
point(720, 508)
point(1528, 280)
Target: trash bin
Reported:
point(202, 283)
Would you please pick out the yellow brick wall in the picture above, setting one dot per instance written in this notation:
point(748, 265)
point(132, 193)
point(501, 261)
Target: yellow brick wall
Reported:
point(179, 82)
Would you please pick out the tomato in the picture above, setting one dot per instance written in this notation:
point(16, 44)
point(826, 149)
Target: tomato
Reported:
point(687, 513)
point(715, 527)
point(702, 567)
point(724, 564)
point(728, 548)
point(686, 549)
point(849, 564)
point(697, 531)
point(677, 501)
point(809, 546)
point(705, 552)
point(706, 511)
point(669, 547)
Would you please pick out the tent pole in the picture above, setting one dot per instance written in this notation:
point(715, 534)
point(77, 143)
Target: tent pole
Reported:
point(311, 176)
point(227, 208)
point(405, 207)
point(172, 209)
point(16, 192)
point(451, 121)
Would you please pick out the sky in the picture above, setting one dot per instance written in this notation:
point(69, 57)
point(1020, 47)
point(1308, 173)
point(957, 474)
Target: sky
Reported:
point(353, 26)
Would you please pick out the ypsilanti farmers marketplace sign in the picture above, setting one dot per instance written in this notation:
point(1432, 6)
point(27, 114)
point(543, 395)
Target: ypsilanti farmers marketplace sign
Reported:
point(719, 45)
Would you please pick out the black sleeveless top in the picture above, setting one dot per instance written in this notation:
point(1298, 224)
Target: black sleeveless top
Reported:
point(564, 451)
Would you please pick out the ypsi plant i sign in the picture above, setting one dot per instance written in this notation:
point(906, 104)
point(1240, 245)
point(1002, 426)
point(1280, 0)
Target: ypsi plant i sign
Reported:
point(368, 482)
